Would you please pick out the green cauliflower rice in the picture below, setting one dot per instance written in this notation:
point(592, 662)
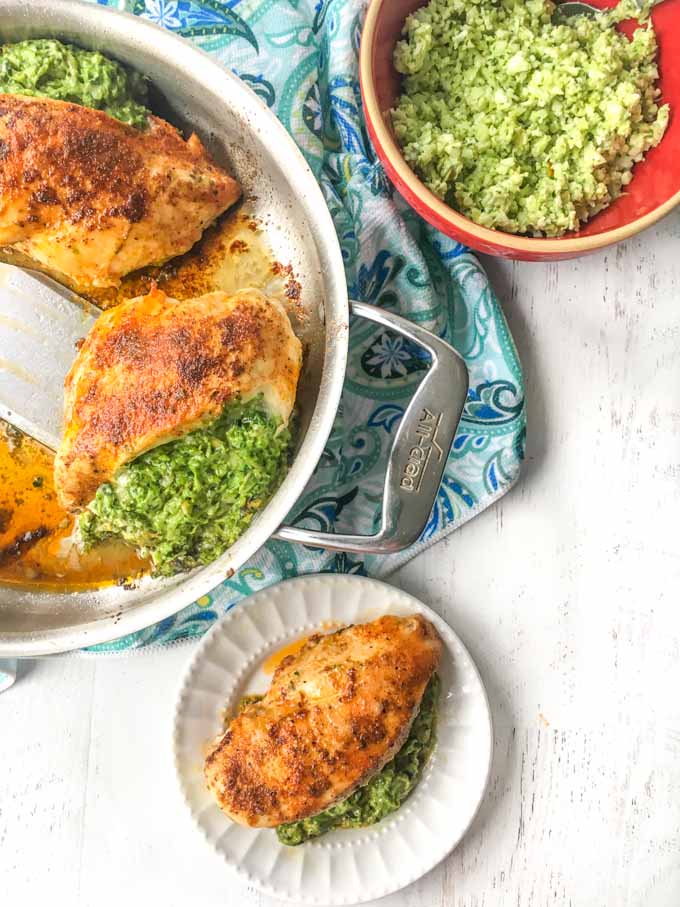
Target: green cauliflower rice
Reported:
point(184, 503)
point(386, 791)
point(47, 68)
point(520, 124)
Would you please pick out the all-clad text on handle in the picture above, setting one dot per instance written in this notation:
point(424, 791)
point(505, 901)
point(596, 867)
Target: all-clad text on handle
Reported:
point(419, 452)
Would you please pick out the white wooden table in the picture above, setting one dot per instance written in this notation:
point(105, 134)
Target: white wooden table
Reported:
point(567, 594)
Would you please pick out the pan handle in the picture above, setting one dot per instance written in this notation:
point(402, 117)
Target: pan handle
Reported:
point(419, 452)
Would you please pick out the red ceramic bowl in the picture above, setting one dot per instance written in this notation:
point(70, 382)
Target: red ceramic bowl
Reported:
point(652, 193)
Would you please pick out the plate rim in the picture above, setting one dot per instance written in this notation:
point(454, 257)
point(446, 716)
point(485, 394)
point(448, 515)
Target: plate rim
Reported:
point(241, 872)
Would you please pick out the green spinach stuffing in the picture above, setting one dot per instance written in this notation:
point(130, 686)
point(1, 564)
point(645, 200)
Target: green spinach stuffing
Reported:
point(47, 68)
point(520, 123)
point(185, 502)
point(386, 791)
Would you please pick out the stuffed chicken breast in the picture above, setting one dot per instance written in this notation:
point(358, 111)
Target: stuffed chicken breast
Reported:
point(176, 422)
point(335, 714)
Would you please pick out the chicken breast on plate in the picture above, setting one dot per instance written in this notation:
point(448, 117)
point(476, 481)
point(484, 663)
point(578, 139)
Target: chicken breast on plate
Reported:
point(336, 712)
point(90, 199)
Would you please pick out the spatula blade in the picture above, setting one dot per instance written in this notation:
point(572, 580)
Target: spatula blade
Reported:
point(40, 324)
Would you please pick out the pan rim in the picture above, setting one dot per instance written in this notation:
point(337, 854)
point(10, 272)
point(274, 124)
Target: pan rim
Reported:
point(68, 17)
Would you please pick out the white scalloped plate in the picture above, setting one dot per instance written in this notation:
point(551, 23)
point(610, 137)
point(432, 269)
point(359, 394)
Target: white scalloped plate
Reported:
point(354, 865)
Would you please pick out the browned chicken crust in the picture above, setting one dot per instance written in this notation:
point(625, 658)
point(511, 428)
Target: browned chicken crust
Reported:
point(91, 199)
point(154, 368)
point(335, 713)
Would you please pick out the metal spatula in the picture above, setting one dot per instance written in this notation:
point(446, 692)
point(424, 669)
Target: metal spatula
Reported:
point(40, 324)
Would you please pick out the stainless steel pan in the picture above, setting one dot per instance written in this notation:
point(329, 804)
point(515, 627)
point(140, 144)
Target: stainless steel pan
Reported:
point(245, 136)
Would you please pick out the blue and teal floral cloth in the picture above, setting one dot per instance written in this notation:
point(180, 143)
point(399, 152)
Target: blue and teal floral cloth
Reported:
point(301, 58)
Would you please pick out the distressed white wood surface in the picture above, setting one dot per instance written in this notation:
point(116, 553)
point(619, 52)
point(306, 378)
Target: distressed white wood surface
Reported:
point(567, 594)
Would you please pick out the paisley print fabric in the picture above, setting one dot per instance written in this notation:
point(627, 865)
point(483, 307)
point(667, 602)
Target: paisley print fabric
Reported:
point(301, 58)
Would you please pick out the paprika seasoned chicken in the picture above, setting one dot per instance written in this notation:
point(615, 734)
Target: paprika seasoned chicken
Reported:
point(335, 714)
point(90, 199)
point(153, 369)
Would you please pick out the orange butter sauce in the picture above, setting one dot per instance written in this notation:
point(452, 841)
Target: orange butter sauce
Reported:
point(270, 665)
point(275, 659)
point(35, 532)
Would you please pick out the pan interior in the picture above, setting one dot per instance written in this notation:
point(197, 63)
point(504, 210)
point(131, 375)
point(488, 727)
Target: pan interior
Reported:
point(282, 194)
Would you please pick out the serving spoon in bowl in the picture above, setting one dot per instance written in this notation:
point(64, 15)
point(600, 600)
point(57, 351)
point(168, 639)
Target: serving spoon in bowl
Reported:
point(568, 10)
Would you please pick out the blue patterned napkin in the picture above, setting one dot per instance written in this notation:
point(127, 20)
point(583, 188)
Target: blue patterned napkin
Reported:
point(301, 58)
